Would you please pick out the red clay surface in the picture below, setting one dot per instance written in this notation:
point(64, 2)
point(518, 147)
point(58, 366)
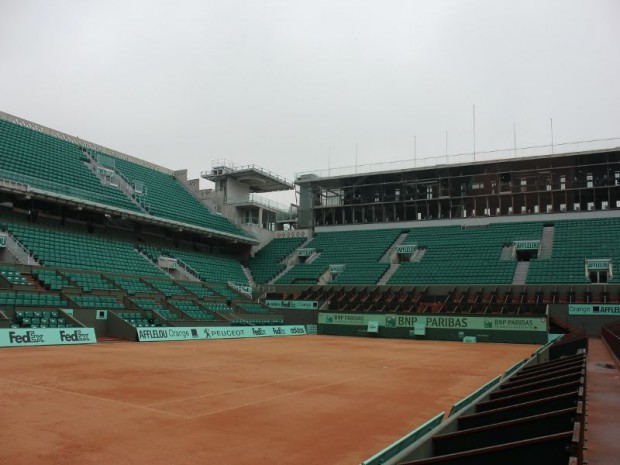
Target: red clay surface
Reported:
point(296, 400)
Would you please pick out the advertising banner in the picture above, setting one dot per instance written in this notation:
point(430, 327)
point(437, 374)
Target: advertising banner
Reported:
point(293, 304)
point(21, 337)
point(595, 310)
point(216, 332)
point(438, 321)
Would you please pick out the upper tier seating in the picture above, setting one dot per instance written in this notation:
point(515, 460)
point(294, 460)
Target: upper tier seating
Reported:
point(168, 288)
point(359, 251)
point(31, 299)
point(167, 198)
point(13, 276)
point(63, 249)
point(455, 255)
point(210, 268)
point(52, 280)
point(51, 164)
point(90, 282)
point(198, 289)
point(192, 310)
point(132, 285)
point(575, 241)
point(266, 263)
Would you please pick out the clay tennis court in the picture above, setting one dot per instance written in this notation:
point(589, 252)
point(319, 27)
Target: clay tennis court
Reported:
point(290, 400)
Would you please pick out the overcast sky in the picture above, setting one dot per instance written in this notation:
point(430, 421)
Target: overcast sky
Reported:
point(295, 85)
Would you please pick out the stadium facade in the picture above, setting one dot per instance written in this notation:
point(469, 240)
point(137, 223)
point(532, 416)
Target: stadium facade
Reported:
point(95, 243)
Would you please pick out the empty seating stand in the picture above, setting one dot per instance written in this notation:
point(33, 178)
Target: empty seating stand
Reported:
point(535, 417)
point(138, 320)
point(456, 255)
point(51, 280)
point(54, 165)
point(167, 198)
point(266, 264)
point(168, 288)
point(218, 307)
point(198, 289)
point(574, 241)
point(96, 301)
point(40, 319)
point(132, 285)
point(72, 249)
point(150, 304)
point(30, 299)
point(254, 308)
point(90, 282)
point(359, 251)
point(13, 276)
point(193, 310)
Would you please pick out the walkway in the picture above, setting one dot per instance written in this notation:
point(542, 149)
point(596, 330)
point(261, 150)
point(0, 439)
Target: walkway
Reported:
point(603, 391)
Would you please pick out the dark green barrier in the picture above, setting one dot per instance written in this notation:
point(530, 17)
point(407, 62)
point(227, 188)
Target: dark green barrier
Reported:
point(404, 442)
point(461, 404)
point(453, 327)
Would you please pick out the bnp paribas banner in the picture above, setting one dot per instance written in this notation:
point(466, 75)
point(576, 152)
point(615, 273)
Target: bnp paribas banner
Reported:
point(20, 337)
point(216, 332)
point(438, 321)
point(596, 309)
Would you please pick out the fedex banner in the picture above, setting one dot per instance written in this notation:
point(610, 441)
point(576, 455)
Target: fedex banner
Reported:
point(216, 332)
point(20, 337)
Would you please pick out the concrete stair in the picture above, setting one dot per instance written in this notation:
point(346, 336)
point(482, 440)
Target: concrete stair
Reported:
point(546, 242)
point(388, 274)
point(521, 271)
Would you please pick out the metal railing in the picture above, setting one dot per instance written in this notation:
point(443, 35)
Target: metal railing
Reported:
point(223, 163)
point(467, 157)
point(20, 251)
point(34, 182)
point(258, 200)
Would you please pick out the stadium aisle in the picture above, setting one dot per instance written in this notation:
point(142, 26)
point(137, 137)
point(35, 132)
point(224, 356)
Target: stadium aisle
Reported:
point(603, 430)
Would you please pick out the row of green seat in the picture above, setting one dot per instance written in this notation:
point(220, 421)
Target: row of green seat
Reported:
point(267, 262)
point(51, 164)
point(574, 242)
point(358, 251)
point(13, 276)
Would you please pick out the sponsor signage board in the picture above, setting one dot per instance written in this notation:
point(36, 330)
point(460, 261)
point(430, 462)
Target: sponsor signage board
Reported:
point(439, 321)
point(293, 304)
point(105, 171)
point(3, 240)
point(406, 249)
point(373, 326)
point(598, 309)
point(216, 332)
point(527, 245)
point(305, 252)
point(338, 268)
point(20, 337)
point(594, 265)
point(167, 262)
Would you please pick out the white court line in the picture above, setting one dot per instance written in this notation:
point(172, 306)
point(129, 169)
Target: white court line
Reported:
point(274, 383)
point(90, 396)
point(254, 386)
point(288, 394)
point(292, 393)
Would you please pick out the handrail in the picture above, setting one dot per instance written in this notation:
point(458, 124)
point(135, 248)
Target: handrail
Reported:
point(466, 157)
point(222, 163)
